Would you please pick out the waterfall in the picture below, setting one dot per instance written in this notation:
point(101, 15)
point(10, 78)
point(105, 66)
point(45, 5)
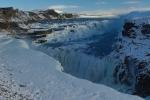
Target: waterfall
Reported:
point(83, 66)
point(71, 50)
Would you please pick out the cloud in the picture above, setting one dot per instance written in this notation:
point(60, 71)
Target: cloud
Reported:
point(101, 2)
point(132, 2)
point(114, 12)
point(63, 7)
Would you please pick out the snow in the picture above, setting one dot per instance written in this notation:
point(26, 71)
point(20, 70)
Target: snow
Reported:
point(89, 16)
point(139, 46)
point(41, 76)
point(75, 30)
point(136, 15)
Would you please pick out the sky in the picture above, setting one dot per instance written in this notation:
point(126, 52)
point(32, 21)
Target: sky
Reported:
point(95, 7)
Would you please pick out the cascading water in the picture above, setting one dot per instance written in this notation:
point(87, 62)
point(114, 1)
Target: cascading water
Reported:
point(84, 52)
point(82, 65)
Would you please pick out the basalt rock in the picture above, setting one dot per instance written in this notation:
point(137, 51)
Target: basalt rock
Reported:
point(133, 51)
point(146, 30)
point(11, 26)
point(128, 29)
point(134, 74)
point(143, 83)
point(125, 72)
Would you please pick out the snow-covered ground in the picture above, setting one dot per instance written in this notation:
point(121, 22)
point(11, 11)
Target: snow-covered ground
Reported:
point(35, 75)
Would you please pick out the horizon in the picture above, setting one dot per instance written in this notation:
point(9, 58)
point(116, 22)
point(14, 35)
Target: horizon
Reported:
point(95, 7)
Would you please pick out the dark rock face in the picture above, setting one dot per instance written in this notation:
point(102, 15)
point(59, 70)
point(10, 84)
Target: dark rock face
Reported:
point(146, 30)
point(48, 12)
point(38, 36)
point(142, 87)
point(125, 72)
point(34, 15)
point(128, 30)
point(8, 13)
point(134, 67)
point(134, 74)
point(10, 26)
point(68, 15)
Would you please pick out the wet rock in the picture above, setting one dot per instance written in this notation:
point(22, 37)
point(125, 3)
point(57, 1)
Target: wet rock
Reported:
point(72, 31)
point(128, 30)
point(35, 34)
point(125, 72)
point(135, 74)
point(142, 65)
point(146, 30)
point(143, 83)
point(41, 41)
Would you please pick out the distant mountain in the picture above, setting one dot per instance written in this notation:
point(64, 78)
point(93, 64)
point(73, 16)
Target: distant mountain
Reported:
point(15, 15)
point(10, 18)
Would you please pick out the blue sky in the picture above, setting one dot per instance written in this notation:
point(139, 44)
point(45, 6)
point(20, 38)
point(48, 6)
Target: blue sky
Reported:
point(81, 6)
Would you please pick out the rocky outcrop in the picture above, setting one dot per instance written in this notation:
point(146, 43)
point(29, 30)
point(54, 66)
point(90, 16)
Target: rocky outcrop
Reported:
point(143, 80)
point(14, 15)
point(11, 26)
point(146, 30)
point(129, 29)
point(17, 21)
point(133, 49)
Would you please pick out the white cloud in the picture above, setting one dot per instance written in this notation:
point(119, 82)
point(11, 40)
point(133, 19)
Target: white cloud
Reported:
point(114, 12)
point(132, 2)
point(63, 7)
point(101, 2)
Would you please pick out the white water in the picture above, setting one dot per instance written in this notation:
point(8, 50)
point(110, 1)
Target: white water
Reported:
point(80, 64)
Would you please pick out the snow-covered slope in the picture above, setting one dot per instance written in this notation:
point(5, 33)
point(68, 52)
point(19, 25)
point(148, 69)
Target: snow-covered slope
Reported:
point(41, 76)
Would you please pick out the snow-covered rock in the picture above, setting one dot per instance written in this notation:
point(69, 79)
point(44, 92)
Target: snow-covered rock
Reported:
point(15, 15)
point(41, 76)
point(133, 49)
